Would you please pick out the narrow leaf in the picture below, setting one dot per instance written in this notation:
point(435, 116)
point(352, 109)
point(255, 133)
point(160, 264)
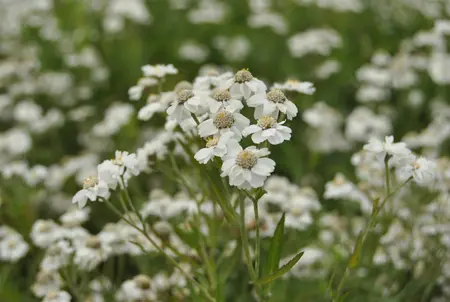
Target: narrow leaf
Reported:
point(229, 265)
point(276, 245)
point(356, 255)
point(189, 238)
point(281, 271)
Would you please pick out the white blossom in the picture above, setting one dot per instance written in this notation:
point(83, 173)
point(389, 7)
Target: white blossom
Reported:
point(298, 86)
point(224, 121)
point(243, 84)
point(271, 103)
point(93, 189)
point(268, 129)
point(247, 168)
point(60, 296)
point(388, 147)
point(159, 70)
point(215, 146)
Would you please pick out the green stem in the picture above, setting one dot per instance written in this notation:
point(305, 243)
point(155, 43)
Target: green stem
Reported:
point(370, 225)
point(168, 257)
point(387, 175)
point(258, 239)
point(245, 244)
point(72, 287)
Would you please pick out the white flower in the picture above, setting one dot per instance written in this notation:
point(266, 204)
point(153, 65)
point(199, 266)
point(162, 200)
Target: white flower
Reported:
point(57, 256)
point(75, 217)
point(135, 92)
point(46, 282)
point(109, 175)
point(272, 103)
point(298, 86)
point(138, 289)
point(210, 78)
point(223, 121)
point(91, 253)
point(388, 147)
point(421, 169)
point(243, 84)
point(221, 98)
point(147, 112)
point(92, 190)
point(247, 168)
point(60, 296)
point(198, 104)
point(13, 248)
point(341, 188)
point(159, 70)
point(45, 232)
point(127, 162)
point(215, 146)
point(268, 129)
point(35, 175)
point(180, 110)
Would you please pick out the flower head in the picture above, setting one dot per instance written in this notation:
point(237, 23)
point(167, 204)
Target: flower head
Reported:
point(268, 129)
point(223, 121)
point(298, 86)
point(247, 168)
point(93, 189)
point(215, 146)
point(244, 84)
point(272, 103)
point(159, 70)
point(397, 150)
point(221, 98)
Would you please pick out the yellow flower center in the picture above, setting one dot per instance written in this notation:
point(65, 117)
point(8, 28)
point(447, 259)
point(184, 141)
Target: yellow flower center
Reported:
point(266, 122)
point(90, 182)
point(44, 227)
point(212, 142)
point(246, 159)
point(142, 281)
point(223, 119)
point(222, 95)
point(243, 76)
point(184, 94)
point(93, 242)
point(276, 95)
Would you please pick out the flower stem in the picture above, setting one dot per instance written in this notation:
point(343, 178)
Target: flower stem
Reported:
point(244, 237)
point(258, 239)
point(357, 249)
point(387, 177)
point(168, 257)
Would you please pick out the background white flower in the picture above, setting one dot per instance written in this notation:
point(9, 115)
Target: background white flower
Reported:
point(380, 149)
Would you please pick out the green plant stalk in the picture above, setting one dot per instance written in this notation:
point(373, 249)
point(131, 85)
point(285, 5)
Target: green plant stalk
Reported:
point(72, 287)
point(244, 237)
point(370, 225)
point(387, 175)
point(171, 260)
point(210, 267)
point(258, 239)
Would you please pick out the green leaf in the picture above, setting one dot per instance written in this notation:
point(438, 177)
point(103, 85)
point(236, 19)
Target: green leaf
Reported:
point(355, 258)
point(189, 238)
point(276, 245)
point(229, 265)
point(281, 271)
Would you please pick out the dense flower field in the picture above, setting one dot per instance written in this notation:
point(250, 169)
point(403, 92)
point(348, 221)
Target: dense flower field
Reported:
point(212, 150)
